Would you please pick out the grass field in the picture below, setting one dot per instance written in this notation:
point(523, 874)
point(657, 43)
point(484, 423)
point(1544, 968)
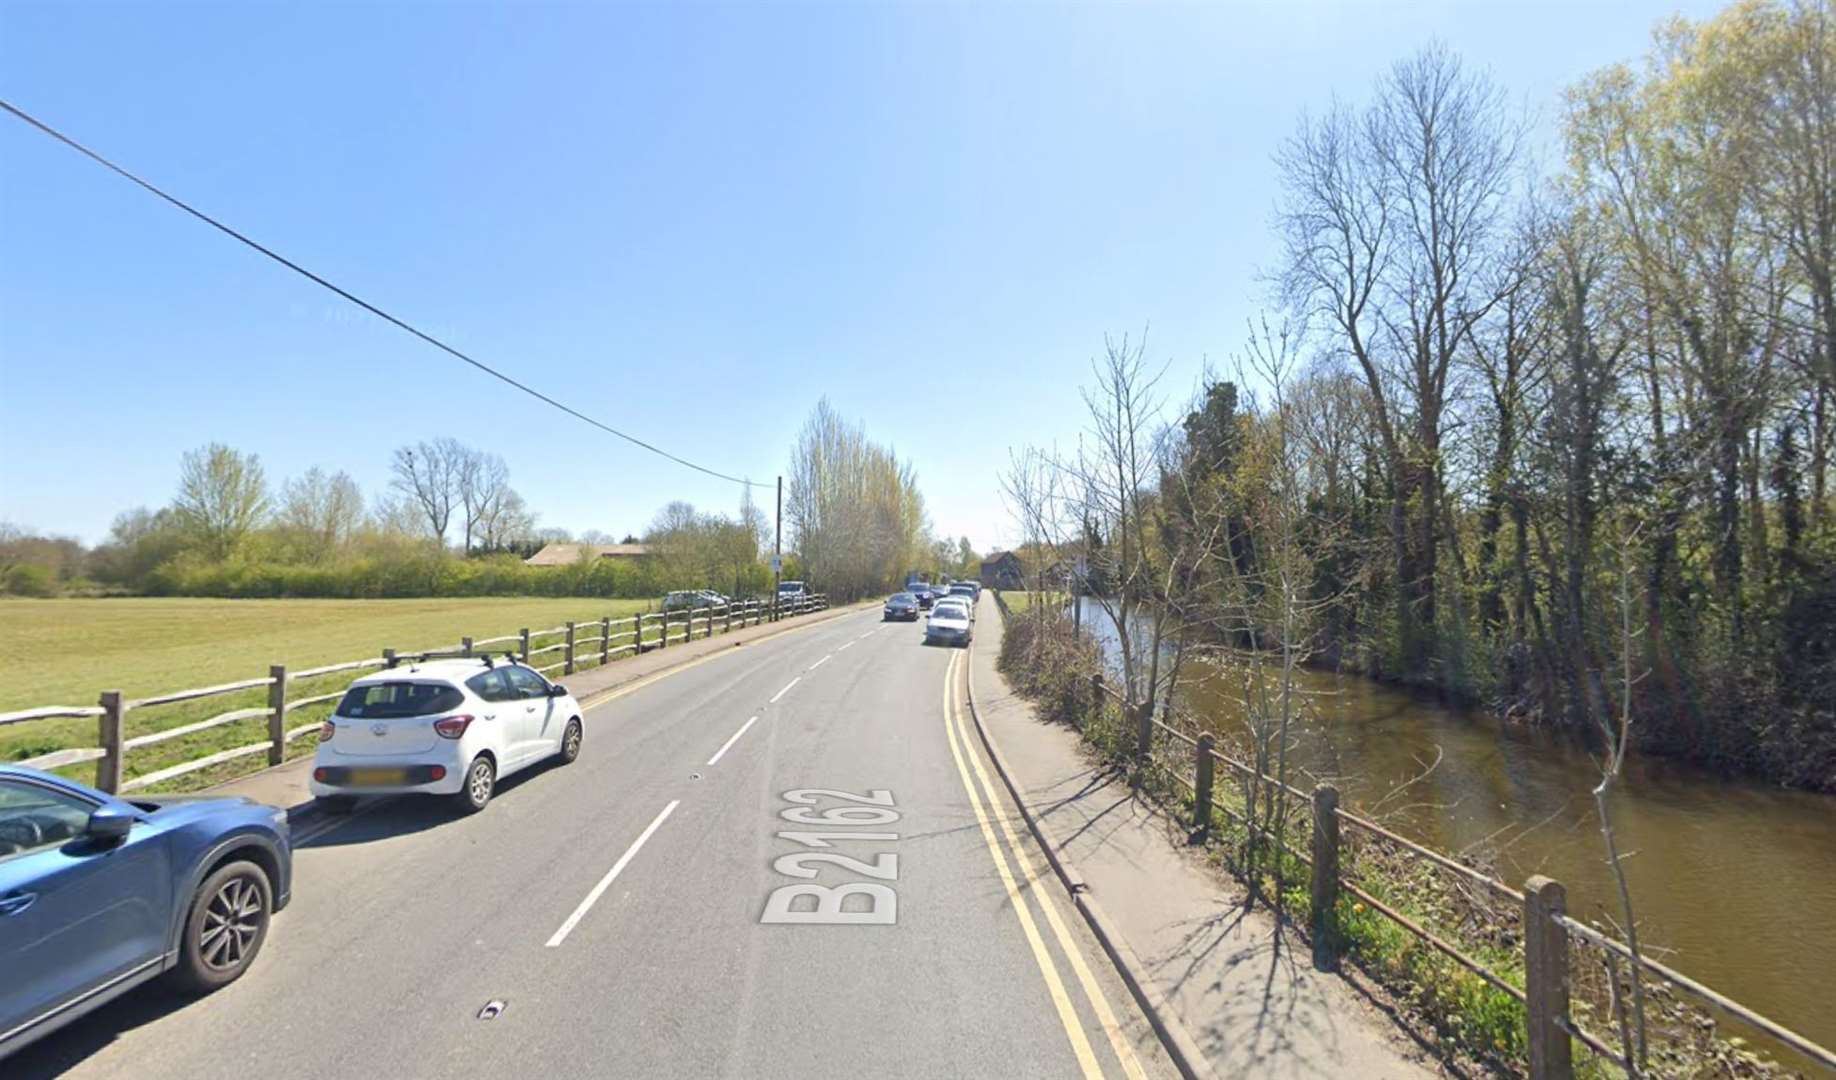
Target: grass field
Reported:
point(65, 652)
point(1018, 600)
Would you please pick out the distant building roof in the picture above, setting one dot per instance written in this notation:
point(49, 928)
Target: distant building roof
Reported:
point(568, 554)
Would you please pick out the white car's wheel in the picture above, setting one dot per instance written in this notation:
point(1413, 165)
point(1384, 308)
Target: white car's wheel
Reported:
point(570, 742)
point(479, 785)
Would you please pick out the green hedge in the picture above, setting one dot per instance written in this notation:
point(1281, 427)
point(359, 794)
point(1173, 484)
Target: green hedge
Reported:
point(428, 575)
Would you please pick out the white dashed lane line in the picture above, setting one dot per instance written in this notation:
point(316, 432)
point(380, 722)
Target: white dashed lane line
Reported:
point(724, 747)
point(606, 882)
point(848, 646)
point(786, 690)
point(821, 662)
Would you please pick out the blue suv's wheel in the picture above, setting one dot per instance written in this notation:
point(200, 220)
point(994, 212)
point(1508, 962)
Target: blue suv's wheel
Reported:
point(225, 928)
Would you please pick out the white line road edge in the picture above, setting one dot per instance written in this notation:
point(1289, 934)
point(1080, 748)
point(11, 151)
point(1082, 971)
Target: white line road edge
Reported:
point(724, 747)
point(606, 882)
point(786, 690)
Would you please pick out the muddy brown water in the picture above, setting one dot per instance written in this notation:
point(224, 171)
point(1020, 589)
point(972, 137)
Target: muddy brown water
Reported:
point(1736, 879)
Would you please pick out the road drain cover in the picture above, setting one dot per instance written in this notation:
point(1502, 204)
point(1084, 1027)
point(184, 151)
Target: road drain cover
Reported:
point(492, 1010)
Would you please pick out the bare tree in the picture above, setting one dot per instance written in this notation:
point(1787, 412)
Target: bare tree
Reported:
point(504, 519)
point(1618, 736)
point(1113, 483)
point(1031, 484)
point(1389, 220)
point(482, 483)
point(426, 477)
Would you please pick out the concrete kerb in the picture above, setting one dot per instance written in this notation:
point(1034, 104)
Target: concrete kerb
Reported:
point(1178, 1042)
point(309, 811)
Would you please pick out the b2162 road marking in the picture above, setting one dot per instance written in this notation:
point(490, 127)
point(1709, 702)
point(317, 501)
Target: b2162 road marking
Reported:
point(850, 903)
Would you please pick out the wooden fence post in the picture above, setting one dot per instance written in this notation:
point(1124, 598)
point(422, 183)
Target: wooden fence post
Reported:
point(567, 667)
point(729, 627)
point(1202, 772)
point(1096, 692)
point(605, 639)
point(525, 636)
point(108, 737)
point(388, 658)
point(1325, 898)
point(465, 646)
point(1144, 740)
point(1546, 980)
point(277, 713)
point(663, 635)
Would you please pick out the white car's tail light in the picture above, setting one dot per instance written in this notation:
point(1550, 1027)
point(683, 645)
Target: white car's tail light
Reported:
point(452, 727)
point(327, 730)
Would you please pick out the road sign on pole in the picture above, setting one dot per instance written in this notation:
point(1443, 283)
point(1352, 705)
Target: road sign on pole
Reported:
point(777, 564)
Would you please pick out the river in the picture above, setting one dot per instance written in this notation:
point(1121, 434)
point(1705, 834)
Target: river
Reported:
point(1739, 879)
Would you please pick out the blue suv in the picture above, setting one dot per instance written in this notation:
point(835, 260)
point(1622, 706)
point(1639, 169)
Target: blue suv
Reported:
point(99, 894)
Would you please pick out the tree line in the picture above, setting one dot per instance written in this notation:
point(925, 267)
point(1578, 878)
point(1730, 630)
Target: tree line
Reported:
point(451, 523)
point(854, 513)
point(1556, 442)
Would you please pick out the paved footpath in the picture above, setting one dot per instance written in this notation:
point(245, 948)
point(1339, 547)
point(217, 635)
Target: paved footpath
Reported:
point(1251, 1008)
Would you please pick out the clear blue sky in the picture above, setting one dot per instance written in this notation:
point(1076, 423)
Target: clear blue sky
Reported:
point(691, 220)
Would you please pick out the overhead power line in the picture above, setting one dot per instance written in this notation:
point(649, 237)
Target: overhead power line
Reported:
point(359, 301)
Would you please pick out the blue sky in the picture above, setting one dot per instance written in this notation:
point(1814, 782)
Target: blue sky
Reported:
point(691, 221)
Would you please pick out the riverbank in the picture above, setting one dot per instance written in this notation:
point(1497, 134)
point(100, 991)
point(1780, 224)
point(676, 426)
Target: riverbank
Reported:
point(1465, 1011)
point(1227, 977)
point(1758, 741)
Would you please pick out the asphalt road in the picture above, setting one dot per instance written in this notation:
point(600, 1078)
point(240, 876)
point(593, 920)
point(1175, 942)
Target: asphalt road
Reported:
point(639, 912)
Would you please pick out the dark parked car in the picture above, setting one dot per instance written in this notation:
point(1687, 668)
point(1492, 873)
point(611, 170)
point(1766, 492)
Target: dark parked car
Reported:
point(99, 895)
point(902, 606)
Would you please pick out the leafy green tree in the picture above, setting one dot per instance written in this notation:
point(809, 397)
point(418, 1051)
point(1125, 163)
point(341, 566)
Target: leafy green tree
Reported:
point(222, 497)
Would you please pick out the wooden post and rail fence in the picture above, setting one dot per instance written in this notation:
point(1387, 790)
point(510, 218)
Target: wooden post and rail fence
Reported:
point(113, 744)
point(1549, 932)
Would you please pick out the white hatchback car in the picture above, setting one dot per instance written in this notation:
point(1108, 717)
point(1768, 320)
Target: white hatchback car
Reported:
point(442, 727)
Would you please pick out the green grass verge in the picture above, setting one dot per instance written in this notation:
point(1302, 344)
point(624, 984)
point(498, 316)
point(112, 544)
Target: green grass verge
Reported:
point(1018, 601)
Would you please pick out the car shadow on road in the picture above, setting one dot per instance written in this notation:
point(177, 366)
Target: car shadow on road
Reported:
point(68, 1047)
point(391, 816)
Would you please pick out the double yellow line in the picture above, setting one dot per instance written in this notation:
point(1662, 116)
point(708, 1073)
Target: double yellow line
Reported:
point(984, 801)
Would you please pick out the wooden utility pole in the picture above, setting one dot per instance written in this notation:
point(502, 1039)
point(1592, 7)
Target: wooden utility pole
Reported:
point(777, 550)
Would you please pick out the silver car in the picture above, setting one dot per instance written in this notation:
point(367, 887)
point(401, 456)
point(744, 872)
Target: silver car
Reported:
point(951, 623)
